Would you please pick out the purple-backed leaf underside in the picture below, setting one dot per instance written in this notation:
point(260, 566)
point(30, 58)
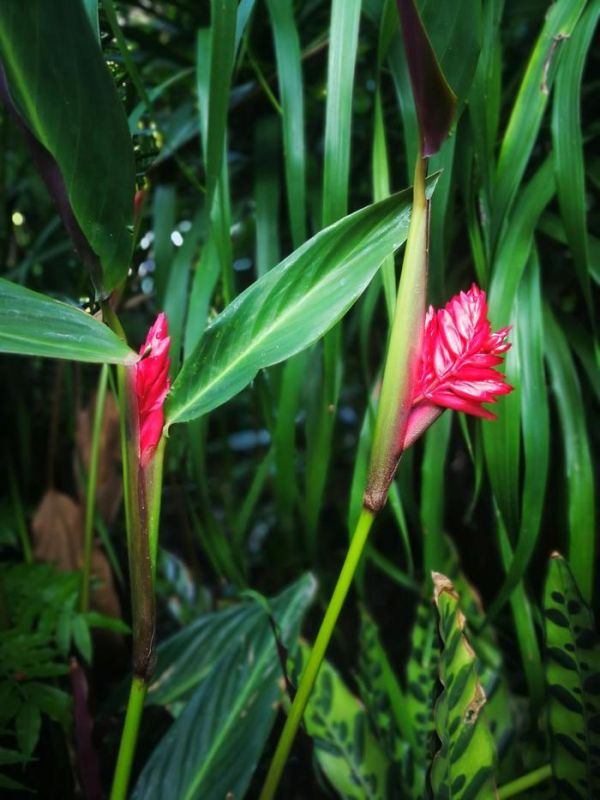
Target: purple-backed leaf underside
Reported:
point(434, 99)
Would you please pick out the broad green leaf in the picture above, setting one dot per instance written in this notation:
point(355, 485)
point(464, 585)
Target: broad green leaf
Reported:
point(464, 765)
point(530, 104)
point(289, 308)
point(45, 49)
point(34, 325)
point(572, 672)
point(185, 659)
point(568, 143)
point(578, 467)
point(422, 689)
point(344, 746)
point(211, 750)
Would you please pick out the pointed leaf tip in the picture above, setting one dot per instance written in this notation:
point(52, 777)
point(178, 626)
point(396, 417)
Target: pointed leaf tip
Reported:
point(434, 99)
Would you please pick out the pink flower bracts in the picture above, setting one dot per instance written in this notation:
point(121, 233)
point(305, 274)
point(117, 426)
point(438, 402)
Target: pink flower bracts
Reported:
point(151, 387)
point(456, 366)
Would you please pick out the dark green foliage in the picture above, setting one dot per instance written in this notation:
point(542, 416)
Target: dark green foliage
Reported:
point(422, 690)
point(573, 684)
point(221, 677)
point(344, 746)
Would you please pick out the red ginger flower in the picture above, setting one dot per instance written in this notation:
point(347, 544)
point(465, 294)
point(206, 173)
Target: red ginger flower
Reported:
point(151, 387)
point(456, 366)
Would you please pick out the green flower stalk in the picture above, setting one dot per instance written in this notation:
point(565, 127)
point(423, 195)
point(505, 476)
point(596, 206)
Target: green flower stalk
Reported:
point(143, 389)
point(435, 106)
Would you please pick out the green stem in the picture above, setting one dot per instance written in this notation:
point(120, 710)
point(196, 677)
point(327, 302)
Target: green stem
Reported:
point(133, 716)
point(309, 676)
point(90, 498)
point(525, 782)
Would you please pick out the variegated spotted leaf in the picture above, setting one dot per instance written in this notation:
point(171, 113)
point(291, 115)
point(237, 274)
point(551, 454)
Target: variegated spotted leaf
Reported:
point(463, 768)
point(422, 689)
point(499, 709)
point(382, 694)
point(573, 681)
point(344, 745)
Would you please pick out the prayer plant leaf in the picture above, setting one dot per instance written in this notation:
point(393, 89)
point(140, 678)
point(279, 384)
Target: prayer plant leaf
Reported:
point(344, 746)
point(78, 135)
point(422, 689)
point(382, 693)
point(572, 670)
point(464, 765)
point(225, 671)
point(34, 325)
point(290, 307)
point(499, 708)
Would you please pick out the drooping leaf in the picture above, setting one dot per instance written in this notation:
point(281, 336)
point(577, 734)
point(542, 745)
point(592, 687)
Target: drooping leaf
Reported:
point(231, 695)
point(572, 673)
point(344, 745)
point(35, 325)
point(78, 137)
point(288, 308)
point(464, 765)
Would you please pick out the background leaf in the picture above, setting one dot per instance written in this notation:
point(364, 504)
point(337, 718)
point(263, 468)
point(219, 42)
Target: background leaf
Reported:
point(572, 670)
point(212, 748)
point(45, 49)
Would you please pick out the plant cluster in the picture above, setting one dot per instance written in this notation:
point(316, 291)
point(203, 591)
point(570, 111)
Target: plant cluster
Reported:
point(270, 526)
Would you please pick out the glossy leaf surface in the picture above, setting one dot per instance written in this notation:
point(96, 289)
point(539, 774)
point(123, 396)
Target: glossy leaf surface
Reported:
point(35, 325)
point(289, 308)
point(45, 49)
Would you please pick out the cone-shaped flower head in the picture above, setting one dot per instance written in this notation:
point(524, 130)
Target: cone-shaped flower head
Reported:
point(456, 366)
point(151, 387)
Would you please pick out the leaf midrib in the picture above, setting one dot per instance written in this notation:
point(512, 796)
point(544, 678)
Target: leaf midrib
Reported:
point(256, 342)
